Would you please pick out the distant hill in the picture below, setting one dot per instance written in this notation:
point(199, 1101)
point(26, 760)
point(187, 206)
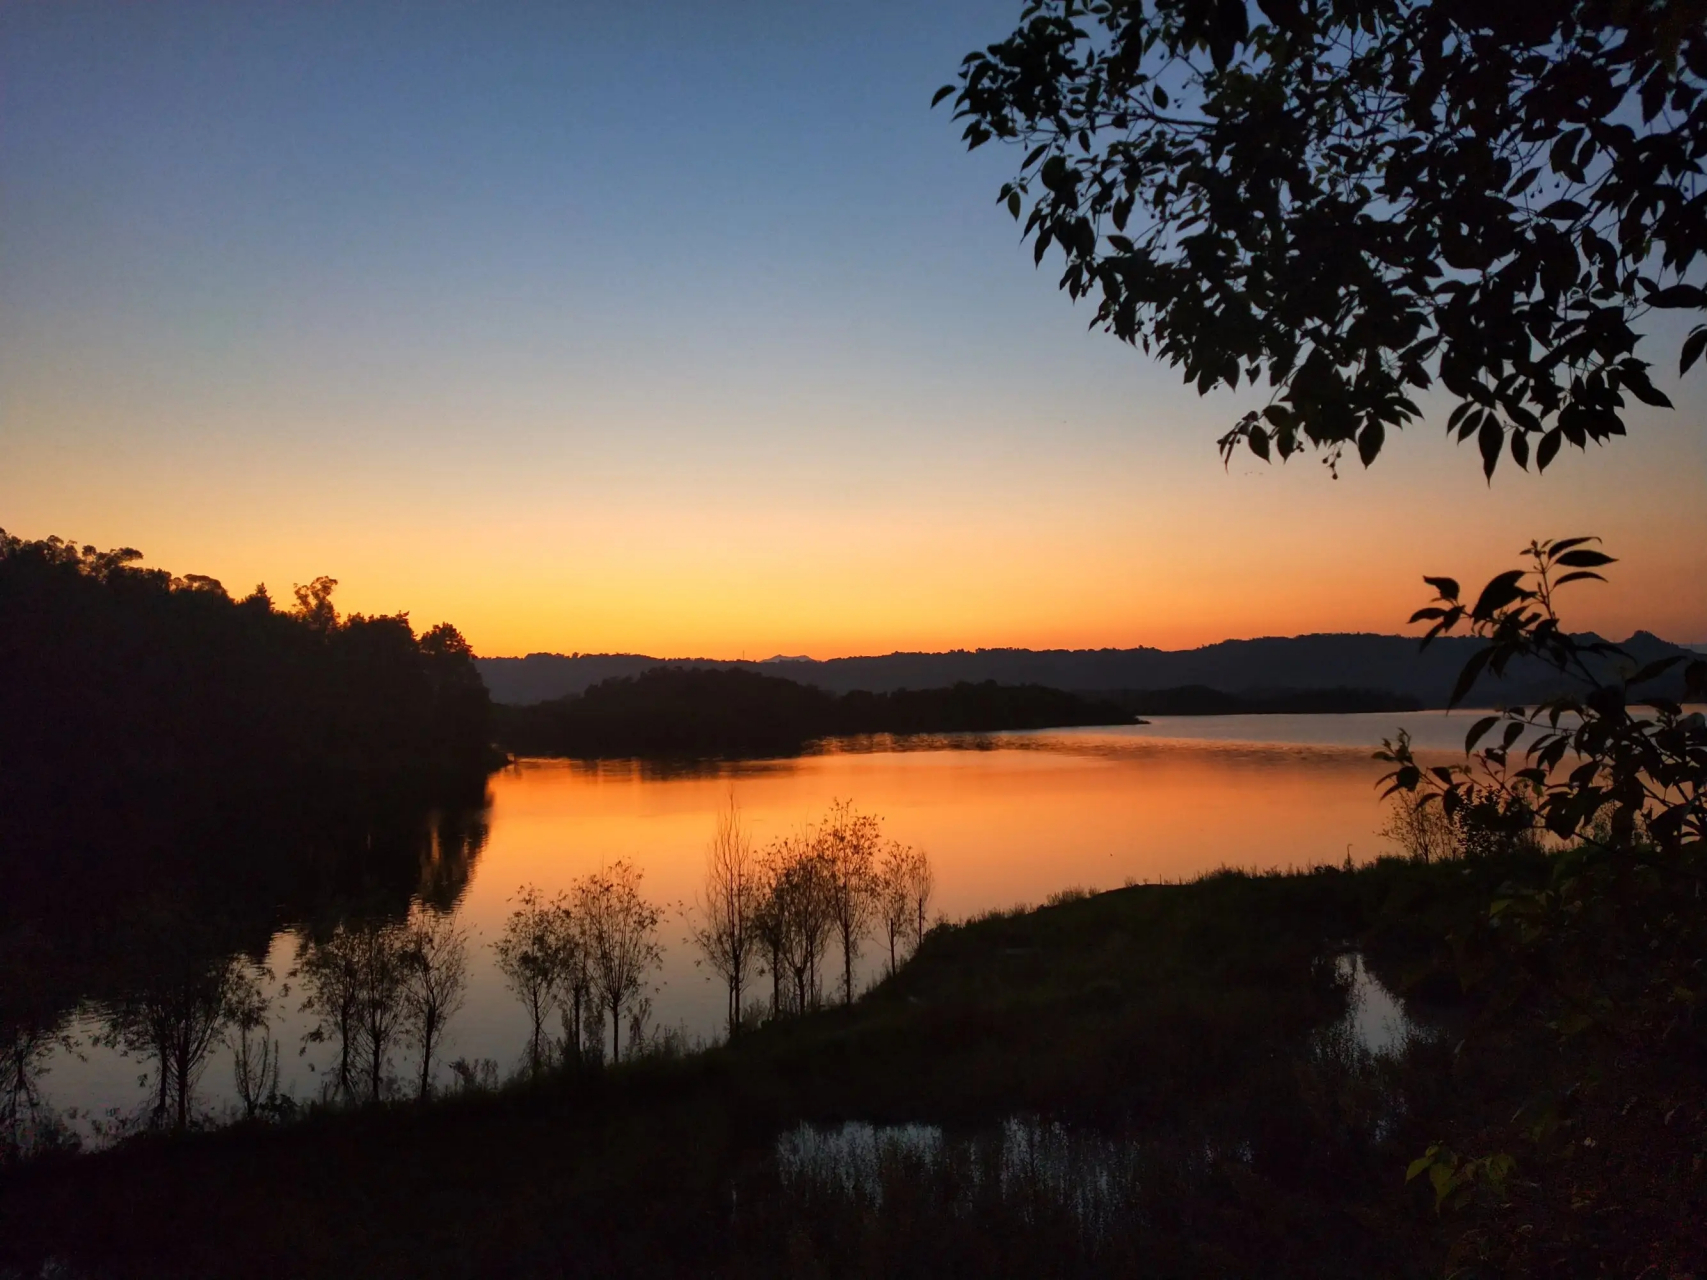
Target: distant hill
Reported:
point(1392, 665)
point(696, 711)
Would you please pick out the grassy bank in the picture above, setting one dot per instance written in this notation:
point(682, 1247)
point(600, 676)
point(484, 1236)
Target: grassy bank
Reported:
point(1188, 1021)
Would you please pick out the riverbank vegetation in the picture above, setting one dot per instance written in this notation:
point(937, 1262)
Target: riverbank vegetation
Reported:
point(117, 676)
point(1199, 1032)
point(675, 711)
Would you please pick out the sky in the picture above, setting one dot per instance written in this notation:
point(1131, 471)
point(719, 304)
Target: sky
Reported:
point(681, 329)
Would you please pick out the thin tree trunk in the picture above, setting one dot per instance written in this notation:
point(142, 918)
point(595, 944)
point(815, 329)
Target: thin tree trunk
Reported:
point(426, 1053)
point(847, 967)
point(615, 1033)
point(183, 1083)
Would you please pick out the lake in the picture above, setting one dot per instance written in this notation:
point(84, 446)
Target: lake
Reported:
point(1007, 819)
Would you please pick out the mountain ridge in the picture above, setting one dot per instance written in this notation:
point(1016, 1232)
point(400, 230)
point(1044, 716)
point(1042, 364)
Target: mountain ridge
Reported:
point(1265, 664)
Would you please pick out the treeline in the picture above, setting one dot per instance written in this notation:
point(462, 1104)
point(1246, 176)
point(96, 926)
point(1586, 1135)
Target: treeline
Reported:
point(381, 986)
point(109, 669)
point(703, 711)
point(1201, 700)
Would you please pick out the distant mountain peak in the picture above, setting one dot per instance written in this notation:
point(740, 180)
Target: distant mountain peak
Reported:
point(785, 657)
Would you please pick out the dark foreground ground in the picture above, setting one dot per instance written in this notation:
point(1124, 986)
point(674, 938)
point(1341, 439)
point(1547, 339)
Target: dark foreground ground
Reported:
point(1186, 1025)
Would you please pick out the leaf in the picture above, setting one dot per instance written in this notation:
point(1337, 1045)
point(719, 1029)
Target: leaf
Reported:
point(1648, 393)
point(1548, 448)
point(1585, 559)
point(1579, 576)
point(941, 93)
point(1160, 97)
point(1467, 677)
point(1564, 211)
point(1678, 295)
point(1014, 204)
point(1488, 440)
point(1477, 731)
point(1693, 346)
point(1446, 587)
point(1500, 592)
point(1369, 442)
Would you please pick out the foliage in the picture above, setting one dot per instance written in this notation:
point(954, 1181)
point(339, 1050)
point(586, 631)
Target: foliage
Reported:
point(255, 1055)
point(903, 890)
point(434, 961)
point(620, 928)
point(537, 949)
point(796, 921)
point(355, 978)
point(27, 1123)
point(1353, 201)
point(847, 842)
point(1605, 953)
point(174, 1014)
point(1637, 782)
point(113, 669)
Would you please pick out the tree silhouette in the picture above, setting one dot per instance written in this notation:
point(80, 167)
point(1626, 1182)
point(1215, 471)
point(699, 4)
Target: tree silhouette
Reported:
point(847, 844)
point(435, 980)
point(726, 931)
point(622, 948)
point(1352, 202)
point(533, 954)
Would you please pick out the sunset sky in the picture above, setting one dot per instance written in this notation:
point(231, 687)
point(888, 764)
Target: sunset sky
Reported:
point(685, 329)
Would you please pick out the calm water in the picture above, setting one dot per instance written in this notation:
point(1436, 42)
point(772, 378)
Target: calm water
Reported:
point(1007, 819)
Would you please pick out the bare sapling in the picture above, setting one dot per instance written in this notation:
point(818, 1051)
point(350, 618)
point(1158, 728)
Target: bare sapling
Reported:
point(575, 983)
point(622, 946)
point(894, 899)
point(175, 1016)
point(921, 883)
point(804, 916)
point(726, 930)
point(254, 1053)
point(435, 980)
point(847, 844)
point(532, 954)
point(331, 973)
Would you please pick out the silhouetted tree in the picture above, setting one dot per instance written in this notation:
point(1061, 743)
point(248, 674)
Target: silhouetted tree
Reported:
point(902, 894)
point(581, 1019)
point(355, 983)
point(620, 928)
point(314, 605)
point(174, 1015)
point(801, 906)
point(533, 954)
point(254, 1053)
point(1351, 201)
point(726, 931)
point(113, 673)
point(847, 844)
point(435, 980)
point(24, 1051)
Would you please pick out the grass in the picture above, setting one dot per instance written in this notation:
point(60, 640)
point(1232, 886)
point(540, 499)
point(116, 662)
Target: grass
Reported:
point(1183, 1018)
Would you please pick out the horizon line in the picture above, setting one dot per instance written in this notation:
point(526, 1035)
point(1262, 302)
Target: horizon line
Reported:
point(784, 660)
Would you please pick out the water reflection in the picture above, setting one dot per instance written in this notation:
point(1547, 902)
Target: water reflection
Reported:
point(130, 931)
point(1006, 818)
point(1375, 1019)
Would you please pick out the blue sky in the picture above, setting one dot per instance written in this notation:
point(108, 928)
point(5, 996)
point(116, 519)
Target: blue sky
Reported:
point(683, 328)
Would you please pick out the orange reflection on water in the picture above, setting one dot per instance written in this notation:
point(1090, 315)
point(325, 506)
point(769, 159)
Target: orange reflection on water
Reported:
point(1013, 822)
